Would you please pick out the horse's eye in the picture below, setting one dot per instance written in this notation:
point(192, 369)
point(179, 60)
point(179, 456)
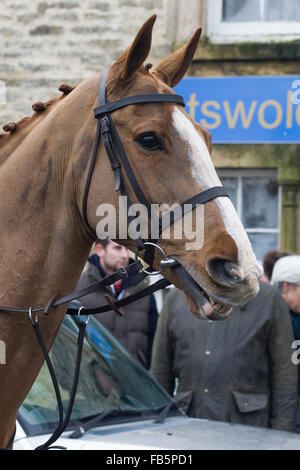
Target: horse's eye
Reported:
point(150, 142)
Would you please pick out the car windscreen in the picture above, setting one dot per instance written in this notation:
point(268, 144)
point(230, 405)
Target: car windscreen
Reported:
point(110, 378)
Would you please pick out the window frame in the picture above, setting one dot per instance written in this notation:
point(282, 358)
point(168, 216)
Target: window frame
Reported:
point(253, 173)
point(230, 32)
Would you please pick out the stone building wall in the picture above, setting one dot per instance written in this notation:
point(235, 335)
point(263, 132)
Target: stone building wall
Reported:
point(47, 42)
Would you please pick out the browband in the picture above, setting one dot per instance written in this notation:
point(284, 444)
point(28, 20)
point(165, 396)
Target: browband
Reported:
point(137, 99)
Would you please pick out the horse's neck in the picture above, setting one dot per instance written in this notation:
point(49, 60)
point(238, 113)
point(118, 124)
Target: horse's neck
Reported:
point(39, 237)
point(42, 252)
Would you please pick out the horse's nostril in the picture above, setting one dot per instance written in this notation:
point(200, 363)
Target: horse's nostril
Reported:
point(224, 271)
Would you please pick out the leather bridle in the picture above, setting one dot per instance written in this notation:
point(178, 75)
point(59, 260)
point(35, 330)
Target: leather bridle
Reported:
point(118, 160)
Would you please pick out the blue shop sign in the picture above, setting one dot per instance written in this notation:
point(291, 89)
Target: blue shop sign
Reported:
point(245, 109)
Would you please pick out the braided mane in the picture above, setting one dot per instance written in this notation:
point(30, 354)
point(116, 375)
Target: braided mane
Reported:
point(12, 128)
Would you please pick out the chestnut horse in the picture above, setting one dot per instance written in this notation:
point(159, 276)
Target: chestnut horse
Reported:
point(44, 240)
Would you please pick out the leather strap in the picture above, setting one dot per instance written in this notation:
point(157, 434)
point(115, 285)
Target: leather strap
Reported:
point(122, 273)
point(190, 204)
point(127, 167)
point(160, 284)
point(63, 421)
point(137, 99)
point(115, 166)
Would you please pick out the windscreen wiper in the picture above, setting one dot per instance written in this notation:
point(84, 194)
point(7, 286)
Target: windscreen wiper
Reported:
point(173, 403)
point(94, 422)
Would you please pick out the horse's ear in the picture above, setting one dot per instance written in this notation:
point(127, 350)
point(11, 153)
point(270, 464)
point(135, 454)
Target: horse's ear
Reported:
point(172, 69)
point(135, 55)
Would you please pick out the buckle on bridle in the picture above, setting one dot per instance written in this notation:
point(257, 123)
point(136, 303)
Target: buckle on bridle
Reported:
point(105, 127)
point(125, 273)
point(112, 303)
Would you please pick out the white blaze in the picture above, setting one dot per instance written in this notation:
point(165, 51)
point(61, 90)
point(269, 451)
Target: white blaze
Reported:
point(204, 173)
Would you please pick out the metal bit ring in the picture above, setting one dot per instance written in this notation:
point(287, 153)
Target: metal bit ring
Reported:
point(79, 313)
point(153, 273)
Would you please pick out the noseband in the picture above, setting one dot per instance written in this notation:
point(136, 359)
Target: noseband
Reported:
point(118, 160)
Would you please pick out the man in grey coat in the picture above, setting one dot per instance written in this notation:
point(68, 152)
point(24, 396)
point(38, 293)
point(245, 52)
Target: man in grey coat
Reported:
point(238, 370)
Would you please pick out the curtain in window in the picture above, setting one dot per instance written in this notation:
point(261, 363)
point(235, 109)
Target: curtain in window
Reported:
point(258, 209)
point(241, 10)
point(261, 10)
point(277, 10)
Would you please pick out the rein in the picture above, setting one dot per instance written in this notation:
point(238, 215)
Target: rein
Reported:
point(118, 160)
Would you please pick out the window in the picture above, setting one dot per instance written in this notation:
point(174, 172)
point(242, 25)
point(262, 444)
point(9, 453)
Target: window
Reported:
point(109, 379)
point(256, 197)
point(253, 20)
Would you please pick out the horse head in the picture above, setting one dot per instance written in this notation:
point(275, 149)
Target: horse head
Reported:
point(169, 154)
point(50, 219)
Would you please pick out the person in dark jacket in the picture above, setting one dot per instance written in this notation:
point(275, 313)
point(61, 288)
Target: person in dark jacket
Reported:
point(136, 328)
point(238, 370)
point(286, 277)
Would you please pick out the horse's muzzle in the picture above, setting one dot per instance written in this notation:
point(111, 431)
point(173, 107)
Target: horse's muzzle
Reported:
point(200, 298)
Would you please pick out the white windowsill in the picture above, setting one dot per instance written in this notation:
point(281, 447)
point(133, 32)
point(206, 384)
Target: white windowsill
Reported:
point(221, 32)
